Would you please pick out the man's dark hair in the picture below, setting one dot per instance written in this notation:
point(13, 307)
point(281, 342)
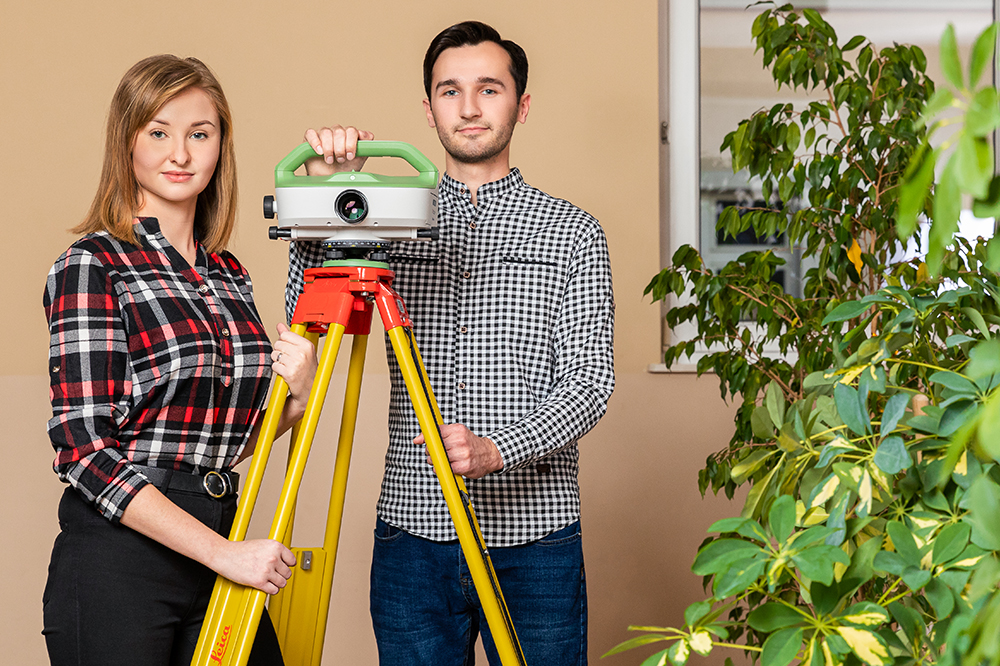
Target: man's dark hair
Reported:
point(471, 33)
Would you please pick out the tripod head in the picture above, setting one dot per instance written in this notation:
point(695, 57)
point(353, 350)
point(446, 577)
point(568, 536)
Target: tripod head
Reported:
point(355, 213)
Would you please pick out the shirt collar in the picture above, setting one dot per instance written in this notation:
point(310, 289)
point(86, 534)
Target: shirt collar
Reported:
point(488, 191)
point(146, 226)
point(149, 227)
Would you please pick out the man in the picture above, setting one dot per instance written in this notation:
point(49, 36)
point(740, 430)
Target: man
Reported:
point(513, 313)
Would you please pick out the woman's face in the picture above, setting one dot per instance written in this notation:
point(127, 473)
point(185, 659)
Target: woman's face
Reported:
point(175, 154)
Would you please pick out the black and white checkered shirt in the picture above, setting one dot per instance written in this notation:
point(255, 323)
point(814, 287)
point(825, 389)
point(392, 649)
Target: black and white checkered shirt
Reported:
point(513, 313)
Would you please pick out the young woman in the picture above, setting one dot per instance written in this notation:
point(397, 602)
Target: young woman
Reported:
point(159, 369)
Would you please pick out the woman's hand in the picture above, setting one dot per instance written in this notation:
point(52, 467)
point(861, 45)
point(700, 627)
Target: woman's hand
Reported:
point(264, 564)
point(294, 358)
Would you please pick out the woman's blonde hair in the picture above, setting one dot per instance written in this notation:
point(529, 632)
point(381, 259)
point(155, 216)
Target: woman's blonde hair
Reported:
point(146, 87)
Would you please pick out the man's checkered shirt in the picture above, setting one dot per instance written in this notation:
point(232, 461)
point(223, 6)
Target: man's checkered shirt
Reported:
point(151, 361)
point(513, 314)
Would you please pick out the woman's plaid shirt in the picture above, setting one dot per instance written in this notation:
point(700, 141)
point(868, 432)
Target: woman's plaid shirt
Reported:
point(151, 362)
point(513, 313)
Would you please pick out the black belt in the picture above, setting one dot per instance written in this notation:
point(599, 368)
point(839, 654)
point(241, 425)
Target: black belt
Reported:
point(217, 484)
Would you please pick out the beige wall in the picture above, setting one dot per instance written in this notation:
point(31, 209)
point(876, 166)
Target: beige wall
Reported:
point(591, 138)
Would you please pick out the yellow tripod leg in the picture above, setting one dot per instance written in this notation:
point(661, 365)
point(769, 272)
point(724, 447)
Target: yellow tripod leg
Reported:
point(457, 498)
point(338, 492)
point(234, 610)
point(296, 429)
point(287, 538)
point(300, 610)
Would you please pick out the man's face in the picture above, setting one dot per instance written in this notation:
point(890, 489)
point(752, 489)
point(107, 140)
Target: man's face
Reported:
point(474, 103)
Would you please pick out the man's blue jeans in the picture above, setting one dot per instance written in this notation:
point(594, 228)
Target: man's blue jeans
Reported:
point(425, 609)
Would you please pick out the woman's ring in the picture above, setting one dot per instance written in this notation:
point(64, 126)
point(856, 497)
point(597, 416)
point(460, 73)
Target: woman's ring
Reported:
point(278, 360)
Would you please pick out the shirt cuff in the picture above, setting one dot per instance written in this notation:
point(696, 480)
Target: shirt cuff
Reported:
point(120, 491)
point(514, 445)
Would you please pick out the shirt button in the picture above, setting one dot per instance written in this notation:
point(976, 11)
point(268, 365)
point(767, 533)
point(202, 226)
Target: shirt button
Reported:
point(225, 332)
point(203, 289)
point(464, 329)
point(461, 386)
point(466, 275)
point(472, 225)
point(461, 190)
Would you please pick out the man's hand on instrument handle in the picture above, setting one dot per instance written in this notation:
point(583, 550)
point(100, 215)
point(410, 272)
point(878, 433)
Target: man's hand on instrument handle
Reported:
point(470, 456)
point(338, 148)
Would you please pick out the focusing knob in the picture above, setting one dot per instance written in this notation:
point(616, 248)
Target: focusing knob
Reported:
point(269, 207)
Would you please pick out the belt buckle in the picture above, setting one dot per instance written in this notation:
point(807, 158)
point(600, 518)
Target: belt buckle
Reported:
point(216, 484)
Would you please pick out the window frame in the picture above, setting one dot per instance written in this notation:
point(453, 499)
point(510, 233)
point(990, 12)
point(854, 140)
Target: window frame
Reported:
point(680, 132)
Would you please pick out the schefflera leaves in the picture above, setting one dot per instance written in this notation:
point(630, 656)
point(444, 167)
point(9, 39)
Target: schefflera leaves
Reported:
point(749, 554)
point(869, 448)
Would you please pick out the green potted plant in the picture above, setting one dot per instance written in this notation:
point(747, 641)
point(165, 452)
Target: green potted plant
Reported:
point(872, 523)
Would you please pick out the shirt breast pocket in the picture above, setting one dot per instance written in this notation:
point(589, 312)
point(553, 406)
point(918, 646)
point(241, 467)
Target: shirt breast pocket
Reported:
point(532, 297)
point(408, 253)
point(418, 267)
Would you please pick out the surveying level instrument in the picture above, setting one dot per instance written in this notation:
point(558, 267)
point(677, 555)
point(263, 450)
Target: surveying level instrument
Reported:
point(356, 215)
point(354, 209)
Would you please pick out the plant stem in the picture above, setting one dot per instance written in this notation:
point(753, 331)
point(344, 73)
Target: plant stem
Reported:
point(909, 362)
point(739, 647)
point(836, 111)
point(881, 601)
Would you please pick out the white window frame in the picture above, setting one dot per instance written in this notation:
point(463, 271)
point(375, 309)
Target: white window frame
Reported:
point(680, 145)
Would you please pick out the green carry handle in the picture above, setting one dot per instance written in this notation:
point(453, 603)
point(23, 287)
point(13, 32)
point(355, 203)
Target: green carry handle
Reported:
point(284, 173)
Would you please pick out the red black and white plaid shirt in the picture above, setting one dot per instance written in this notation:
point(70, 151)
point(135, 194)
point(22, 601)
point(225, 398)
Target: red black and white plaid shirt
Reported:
point(151, 361)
